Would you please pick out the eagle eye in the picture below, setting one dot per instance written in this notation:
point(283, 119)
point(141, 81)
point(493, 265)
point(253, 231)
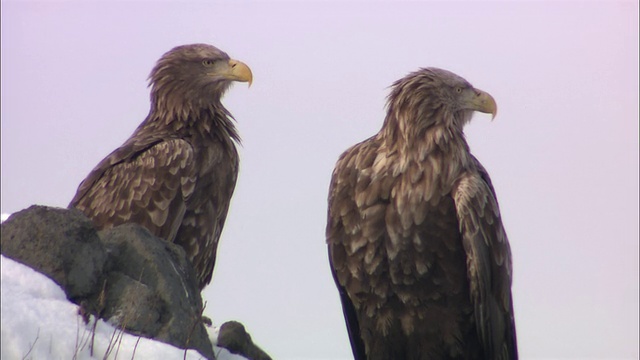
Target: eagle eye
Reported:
point(207, 62)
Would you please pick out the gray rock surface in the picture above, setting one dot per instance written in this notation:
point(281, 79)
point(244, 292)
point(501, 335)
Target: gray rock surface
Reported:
point(152, 288)
point(124, 275)
point(233, 337)
point(60, 243)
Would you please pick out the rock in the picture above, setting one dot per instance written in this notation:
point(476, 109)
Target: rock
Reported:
point(60, 243)
point(235, 338)
point(152, 289)
point(125, 275)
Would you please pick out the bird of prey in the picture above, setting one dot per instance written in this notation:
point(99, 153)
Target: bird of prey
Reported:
point(176, 174)
point(416, 242)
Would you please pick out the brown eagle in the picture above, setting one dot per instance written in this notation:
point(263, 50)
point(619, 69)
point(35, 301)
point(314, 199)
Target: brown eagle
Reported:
point(416, 242)
point(176, 173)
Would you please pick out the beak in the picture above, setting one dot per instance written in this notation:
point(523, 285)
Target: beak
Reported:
point(239, 71)
point(483, 102)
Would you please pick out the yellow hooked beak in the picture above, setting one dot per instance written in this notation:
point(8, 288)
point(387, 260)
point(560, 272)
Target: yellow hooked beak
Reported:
point(239, 71)
point(483, 102)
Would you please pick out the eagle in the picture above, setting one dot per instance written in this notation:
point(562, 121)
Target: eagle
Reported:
point(416, 243)
point(177, 172)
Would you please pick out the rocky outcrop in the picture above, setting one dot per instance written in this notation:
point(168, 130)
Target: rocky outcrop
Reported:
point(125, 275)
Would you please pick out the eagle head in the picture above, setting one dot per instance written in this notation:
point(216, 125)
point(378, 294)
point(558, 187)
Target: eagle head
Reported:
point(432, 96)
point(190, 78)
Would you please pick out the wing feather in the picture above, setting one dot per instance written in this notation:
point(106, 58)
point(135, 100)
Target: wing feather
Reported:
point(146, 183)
point(343, 224)
point(488, 263)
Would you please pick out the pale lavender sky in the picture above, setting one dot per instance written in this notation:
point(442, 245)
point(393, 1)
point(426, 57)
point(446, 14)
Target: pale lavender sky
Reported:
point(562, 152)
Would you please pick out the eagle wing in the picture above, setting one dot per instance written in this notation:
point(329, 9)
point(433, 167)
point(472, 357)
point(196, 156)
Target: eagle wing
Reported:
point(147, 182)
point(488, 262)
point(344, 224)
point(349, 312)
point(206, 213)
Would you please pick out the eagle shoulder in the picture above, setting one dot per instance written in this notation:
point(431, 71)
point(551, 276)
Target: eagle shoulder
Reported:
point(355, 221)
point(148, 184)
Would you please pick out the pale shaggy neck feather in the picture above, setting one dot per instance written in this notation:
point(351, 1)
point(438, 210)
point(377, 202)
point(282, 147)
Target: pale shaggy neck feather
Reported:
point(410, 132)
point(178, 99)
point(181, 105)
point(416, 104)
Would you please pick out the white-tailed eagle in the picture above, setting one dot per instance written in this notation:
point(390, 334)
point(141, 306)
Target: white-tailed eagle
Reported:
point(416, 242)
point(176, 174)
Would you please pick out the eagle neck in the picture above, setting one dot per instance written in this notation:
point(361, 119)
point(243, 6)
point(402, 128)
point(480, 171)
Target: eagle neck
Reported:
point(439, 152)
point(416, 135)
point(222, 125)
point(208, 122)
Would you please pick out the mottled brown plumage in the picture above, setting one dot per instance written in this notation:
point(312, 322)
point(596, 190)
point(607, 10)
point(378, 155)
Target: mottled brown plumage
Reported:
point(416, 242)
point(176, 173)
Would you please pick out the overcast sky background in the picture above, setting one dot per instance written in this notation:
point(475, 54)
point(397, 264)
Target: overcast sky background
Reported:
point(562, 151)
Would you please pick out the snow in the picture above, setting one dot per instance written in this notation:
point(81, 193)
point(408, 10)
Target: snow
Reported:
point(38, 322)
